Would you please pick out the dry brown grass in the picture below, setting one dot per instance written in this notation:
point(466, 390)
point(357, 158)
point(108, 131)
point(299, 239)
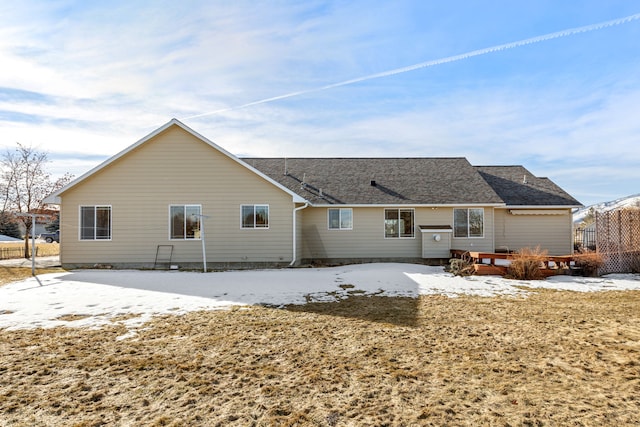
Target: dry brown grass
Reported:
point(48, 249)
point(556, 358)
point(44, 249)
point(14, 274)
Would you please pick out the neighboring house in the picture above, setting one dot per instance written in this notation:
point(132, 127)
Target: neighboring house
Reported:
point(173, 185)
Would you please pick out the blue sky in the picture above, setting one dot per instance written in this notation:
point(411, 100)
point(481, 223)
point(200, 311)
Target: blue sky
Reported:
point(83, 80)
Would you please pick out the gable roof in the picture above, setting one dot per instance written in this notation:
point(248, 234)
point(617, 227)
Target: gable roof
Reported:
point(382, 181)
point(398, 181)
point(519, 187)
point(55, 197)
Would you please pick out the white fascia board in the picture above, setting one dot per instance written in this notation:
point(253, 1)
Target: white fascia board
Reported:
point(540, 207)
point(56, 196)
point(295, 196)
point(112, 159)
point(464, 205)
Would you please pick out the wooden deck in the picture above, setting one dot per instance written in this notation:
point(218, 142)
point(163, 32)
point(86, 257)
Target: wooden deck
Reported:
point(484, 263)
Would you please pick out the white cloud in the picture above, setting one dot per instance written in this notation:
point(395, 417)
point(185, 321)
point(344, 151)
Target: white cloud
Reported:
point(104, 75)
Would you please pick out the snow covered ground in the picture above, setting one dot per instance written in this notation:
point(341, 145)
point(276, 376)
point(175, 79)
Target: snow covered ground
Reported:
point(93, 298)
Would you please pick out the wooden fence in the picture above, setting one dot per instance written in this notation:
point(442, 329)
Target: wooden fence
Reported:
point(618, 240)
point(17, 252)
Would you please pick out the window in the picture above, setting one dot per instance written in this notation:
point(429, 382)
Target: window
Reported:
point(255, 216)
point(340, 219)
point(184, 222)
point(468, 222)
point(398, 223)
point(95, 222)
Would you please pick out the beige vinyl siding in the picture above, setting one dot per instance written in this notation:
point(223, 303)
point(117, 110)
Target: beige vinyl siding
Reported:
point(177, 168)
point(299, 233)
point(550, 232)
point(480, 244)
point(366, 239)
point(432, 248)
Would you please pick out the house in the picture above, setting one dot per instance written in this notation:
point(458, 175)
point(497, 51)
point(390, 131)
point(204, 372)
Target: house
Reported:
point(176, 191)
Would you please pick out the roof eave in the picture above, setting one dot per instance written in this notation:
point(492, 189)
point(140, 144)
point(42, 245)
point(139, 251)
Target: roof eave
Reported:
point(400, 205)
point(55, 197)
point(542, 206)
point(113, 158)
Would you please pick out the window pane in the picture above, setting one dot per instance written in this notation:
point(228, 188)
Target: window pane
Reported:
point(346, 218)
point(103, 222)
point(476, 222)
point(391, 223)
point(177, 222)
point(248, 220)
point(334, 219)
point(460, 223)
point(95, 222)
point(192, 222)
point(406, 223)
point(87, 222)
point(185, 221)
point(262, 216)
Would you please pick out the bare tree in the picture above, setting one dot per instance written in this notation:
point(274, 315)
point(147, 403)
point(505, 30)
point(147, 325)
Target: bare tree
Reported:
point(25, 184)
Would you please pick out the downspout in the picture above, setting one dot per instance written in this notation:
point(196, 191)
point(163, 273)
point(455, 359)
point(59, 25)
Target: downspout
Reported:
point(493, 234)
point(295, 211)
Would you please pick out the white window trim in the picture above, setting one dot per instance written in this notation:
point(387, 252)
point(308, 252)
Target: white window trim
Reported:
point(94, 217)
point(254, 216)
point(468, 237)
point(176, 239)
point(340, 228)
point(384, 218)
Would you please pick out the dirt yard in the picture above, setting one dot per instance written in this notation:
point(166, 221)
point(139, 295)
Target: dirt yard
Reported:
point(555, 358)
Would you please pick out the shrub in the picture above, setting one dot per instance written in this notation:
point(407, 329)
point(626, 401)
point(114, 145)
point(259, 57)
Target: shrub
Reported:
point(527, 264)
point(635, 263)
point(461, 266)
point(589, 262)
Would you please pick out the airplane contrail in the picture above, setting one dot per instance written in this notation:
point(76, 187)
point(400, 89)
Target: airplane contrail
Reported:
point(512, 45)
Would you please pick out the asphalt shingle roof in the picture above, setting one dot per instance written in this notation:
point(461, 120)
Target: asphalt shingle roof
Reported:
point(403, 181)
point(519, 187)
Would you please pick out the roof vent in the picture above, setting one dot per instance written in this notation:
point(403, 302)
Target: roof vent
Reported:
point(373, 182)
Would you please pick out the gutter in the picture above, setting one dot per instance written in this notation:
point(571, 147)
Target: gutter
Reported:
point(295, 211)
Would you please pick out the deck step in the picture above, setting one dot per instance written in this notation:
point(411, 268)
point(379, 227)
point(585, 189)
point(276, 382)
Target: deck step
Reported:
point(489, 270)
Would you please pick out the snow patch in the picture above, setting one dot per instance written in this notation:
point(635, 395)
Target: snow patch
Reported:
point(96, 298)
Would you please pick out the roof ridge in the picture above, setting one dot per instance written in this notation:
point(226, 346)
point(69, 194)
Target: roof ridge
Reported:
point(354, 158)
point(499, 166)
